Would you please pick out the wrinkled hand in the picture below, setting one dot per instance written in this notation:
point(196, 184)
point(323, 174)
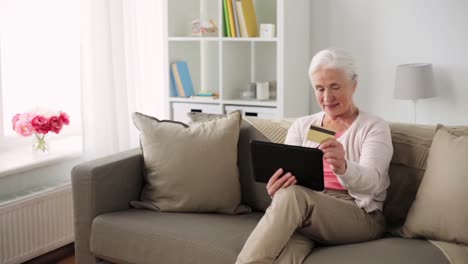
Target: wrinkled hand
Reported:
point(334, 154)
point(278, 181)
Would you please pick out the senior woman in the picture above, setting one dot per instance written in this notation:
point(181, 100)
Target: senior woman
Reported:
point(356, 164)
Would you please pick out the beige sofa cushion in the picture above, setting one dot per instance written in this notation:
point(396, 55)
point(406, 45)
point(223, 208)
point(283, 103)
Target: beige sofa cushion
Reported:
point(411, 144)
point(440, 209)
point(142, 236)
point(190, 169)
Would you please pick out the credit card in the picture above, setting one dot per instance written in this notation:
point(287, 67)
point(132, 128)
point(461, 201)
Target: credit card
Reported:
point(319, 134)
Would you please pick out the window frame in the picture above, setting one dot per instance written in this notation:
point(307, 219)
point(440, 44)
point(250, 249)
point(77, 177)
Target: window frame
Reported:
point(6, 142)
point(2, 136)
point(9, 142)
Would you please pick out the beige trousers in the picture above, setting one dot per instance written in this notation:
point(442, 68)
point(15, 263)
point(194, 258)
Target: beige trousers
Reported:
point(329, 217)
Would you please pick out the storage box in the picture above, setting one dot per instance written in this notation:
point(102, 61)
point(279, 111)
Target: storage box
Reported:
point(180, 110)
point(262, 112)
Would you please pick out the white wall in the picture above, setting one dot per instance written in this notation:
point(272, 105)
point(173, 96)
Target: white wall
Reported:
point(383, 34)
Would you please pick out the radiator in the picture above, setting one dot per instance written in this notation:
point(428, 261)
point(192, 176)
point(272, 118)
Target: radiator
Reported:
point(34, 225)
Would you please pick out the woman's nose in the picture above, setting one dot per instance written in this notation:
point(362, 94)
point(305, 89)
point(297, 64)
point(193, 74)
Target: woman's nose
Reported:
point(328, 96)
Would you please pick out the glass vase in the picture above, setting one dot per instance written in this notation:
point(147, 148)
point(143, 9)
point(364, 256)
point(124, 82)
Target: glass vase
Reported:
point(40, 145)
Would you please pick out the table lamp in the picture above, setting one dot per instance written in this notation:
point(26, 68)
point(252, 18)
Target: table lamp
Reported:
point(414, 81)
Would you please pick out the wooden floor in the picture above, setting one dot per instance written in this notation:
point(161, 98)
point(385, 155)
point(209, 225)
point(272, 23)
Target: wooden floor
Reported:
point(63, 255)
point(68, 260)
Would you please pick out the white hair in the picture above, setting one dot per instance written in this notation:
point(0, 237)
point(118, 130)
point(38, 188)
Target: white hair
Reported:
point(334, 59)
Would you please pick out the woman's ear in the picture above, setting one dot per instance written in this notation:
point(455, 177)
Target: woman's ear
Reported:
point(355, 85)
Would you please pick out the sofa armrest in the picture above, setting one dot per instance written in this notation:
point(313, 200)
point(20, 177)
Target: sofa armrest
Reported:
point(101, 186)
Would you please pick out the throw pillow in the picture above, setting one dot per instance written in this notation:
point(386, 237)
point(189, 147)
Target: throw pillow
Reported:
point(440, 210)
point(254, 193)
point(404, 184)
point(268, 130)
point(190, 168)
point(201, 117)
point(411, 144)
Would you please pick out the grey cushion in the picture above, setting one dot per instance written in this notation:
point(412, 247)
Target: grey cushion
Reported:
point(144, 236)
point(254, 194)
point(404, 183)
point(382, 251)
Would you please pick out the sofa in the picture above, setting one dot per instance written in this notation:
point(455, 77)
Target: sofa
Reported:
point(109, 230)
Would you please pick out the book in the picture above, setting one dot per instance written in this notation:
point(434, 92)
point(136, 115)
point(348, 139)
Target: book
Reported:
point(178, 81)
point(250, 18)
point(236, 18)
point(227, 31)
point(231, 18)
point(205, 96)
point(185, 78)
point(173, 91)
point(240, 18)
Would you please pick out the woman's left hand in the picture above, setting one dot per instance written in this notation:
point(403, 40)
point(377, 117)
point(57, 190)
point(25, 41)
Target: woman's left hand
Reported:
point(334, 154)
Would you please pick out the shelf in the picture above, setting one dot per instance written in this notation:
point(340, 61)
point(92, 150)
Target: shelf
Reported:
point(191, 100)
point(193, 39)
point(269, 103)
point(181, 13)
point(250, 39)
point(229, 65)
point(248, 62)
point(202, 58)
point(223, 39)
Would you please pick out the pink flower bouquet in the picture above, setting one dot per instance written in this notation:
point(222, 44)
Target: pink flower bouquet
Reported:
point(30, 123)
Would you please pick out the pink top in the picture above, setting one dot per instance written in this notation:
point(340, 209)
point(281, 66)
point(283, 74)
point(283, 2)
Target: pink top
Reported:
point(330, 179)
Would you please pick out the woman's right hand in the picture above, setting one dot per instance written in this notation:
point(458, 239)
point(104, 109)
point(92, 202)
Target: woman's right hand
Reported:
point(278, 181)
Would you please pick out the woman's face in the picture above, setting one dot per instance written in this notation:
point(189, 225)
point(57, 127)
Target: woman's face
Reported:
point(333, 91)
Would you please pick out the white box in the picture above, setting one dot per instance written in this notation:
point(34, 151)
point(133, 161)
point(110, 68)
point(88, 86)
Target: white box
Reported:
point(261, 112)
point(180, 110)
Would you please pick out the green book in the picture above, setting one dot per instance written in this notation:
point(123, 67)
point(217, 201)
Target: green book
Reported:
point(227, 28)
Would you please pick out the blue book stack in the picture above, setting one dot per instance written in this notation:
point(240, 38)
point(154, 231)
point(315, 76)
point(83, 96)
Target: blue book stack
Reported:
point(173, 91)
point(185, 78)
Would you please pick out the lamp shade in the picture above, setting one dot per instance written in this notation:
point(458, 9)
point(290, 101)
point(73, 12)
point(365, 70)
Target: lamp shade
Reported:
point(414, 81)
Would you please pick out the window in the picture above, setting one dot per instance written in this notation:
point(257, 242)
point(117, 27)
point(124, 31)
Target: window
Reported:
point(39, 60)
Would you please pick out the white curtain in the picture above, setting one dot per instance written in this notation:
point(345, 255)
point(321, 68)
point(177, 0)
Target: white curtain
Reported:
point(121, 51)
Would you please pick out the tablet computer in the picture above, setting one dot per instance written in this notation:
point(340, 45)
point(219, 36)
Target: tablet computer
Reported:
point(306, 164)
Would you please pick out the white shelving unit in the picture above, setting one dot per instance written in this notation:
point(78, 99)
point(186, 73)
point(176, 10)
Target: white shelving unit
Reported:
point(226, 65)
